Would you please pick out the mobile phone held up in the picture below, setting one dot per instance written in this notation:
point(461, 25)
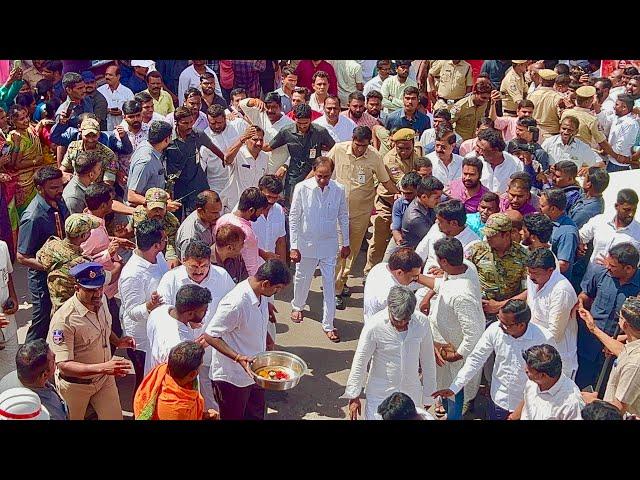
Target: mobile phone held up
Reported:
point(17, 64)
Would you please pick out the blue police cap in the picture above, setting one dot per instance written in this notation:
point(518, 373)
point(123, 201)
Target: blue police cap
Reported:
point(88, 275)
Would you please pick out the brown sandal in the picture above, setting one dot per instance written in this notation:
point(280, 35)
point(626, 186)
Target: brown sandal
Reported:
point(297, 316)
point(333, 335)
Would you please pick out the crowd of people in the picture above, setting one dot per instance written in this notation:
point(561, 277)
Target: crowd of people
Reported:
point(160, 208)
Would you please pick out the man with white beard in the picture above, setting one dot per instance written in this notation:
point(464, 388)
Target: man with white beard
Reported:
point(196, 269)
point(398, 342)
point(551, 299)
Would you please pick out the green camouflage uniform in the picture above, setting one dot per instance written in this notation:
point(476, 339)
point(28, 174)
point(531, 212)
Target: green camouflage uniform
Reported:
point(170, 223)
point(108, 157)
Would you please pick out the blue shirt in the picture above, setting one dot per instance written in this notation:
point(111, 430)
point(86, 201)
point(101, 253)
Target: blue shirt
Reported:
point(608, 296)
point(573, 193)
point(37, 224)
point(496, 69)
point(129, 79)
point(146, 169)
point(475, 223)
point(586, 208)
point(399, 207)
point(564, 241)
point(63, 135)
point(398, 119)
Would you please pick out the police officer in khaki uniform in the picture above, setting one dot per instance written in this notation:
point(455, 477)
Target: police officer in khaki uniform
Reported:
point(79, 335)
point(513, 87)
point(455, 81)
point(156, 207)
point(398, 161)
point(547, 103)
point(467, 113)
point(590, 130)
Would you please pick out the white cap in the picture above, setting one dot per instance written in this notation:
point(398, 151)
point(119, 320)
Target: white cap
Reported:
point(142, 63)
point(21, 404)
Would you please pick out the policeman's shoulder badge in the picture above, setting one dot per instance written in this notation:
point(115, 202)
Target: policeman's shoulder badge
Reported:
point(58, 336)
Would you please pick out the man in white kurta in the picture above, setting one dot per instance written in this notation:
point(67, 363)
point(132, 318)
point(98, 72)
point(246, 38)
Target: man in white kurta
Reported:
point(339, 127)
point(457, 319)
point(551, 298)
point(398, 342)
point(137, 285)
point(512, 334)
point(318, 209)
point(403, 269)
point(196, 269)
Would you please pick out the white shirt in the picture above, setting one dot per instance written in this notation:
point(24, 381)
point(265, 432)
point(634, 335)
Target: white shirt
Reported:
point(576, 151)
point(498, 180)
point(374, 84)
point(280, 155)
point(563, 401)
point(622, 136)
point(244, 172)
point(270, 229)
point(115, 99)
point(551, 309)
point(377, 288)
point(342, 131)
point(315, 104)
point(368, 66)
point(154, 117)
point(137, 281)
point(508, 377)
point(190, 78)
point(426, 249)
point(241, 321)
point(457, 318)
point(429, 135)
point(314, 216)
point(218, 281)
point(602, 230)
point(165, 332)
point(217, 173)
point(442, 172)
point(395, 359)
point(200, 124)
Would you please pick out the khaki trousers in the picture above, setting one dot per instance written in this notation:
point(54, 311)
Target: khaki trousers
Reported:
point(357, 231)
point(102, 395)
point(381, 235)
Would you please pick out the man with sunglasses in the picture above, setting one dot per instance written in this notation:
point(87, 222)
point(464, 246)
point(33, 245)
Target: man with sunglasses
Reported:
point(507, 338)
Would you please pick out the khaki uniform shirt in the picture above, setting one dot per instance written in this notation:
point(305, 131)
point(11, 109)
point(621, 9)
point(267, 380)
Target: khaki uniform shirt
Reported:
point(545, 111)
point(357, 176)
point(513, 89)
point(454, 79)
point(396, 168)
point(170, 224)
point(590, 131)
point(624, 382)
point(466, 116)
point(500, 277)
point(79, 335)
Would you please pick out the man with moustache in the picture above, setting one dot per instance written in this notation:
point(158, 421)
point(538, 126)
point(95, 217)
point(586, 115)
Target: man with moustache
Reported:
point(468, 189)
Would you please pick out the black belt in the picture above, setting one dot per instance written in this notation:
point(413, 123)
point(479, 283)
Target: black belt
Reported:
point(83, 381)
point(447, 99)
point(513, 112)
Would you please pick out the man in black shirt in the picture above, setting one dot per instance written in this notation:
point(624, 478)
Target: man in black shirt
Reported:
point(305, 141)
point(185, 176)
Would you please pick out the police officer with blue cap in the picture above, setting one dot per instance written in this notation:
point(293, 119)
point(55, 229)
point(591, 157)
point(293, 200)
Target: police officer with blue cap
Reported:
point(79, 336)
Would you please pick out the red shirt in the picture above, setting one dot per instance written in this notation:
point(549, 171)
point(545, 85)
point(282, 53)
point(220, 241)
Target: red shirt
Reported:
point(314, 115)
point(305, 71)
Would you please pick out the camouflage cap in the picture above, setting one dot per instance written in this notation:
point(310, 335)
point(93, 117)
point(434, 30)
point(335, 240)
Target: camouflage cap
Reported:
point(498, 222)
point(403, 134)
point(90, 125)
point(78, 223)
point(156, 198)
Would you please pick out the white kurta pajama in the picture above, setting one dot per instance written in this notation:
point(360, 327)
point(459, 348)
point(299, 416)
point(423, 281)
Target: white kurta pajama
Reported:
point(219, 283)
point(395, 358)
point(379, 283)
point(551, 309)
point(314, 217)
point(457, 318)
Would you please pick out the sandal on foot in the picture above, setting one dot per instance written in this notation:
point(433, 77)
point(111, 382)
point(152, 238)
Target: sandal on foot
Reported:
point(297, 316)
point(333, 335)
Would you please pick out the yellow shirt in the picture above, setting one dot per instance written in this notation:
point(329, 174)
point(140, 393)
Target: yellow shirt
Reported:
point(545, 111)
point(164, 105)
point(466, 116)
point(513, 89)
point(356, 175)
point(454, 79)
point(590, 131)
